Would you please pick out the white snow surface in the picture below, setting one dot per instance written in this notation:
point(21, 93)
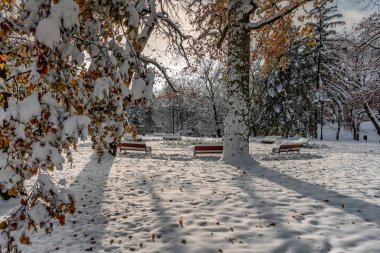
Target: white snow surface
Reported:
point(138, 87)
point(320, 200)
point(65, 13)
point(2, 116)
point(101, 88)
point(48, 32)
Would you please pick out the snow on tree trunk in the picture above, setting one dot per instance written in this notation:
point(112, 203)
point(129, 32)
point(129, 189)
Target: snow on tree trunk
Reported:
point(236, 138)
point(372, 117)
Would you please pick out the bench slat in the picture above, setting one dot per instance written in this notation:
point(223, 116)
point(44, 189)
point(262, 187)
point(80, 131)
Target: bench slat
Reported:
point(133, 146)
point(211, 149)
point(208, 147)
point(288, 147)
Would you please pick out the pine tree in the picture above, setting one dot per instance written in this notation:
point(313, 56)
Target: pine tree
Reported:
point(326, 53)
point(284, 96)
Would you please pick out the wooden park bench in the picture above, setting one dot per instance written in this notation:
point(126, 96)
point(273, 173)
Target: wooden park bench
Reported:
point(208, 149)
point(171, 137)
point(135, 146)
point(288, 147)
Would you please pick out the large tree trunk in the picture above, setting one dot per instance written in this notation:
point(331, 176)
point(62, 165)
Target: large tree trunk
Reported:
point(372, 117)
point(236, 137)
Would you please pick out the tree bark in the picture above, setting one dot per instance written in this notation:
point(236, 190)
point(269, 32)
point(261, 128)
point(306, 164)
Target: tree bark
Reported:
point(372, 117)
point(216, 119)
point(236, 137)
point(338, 130)
point(322, 119)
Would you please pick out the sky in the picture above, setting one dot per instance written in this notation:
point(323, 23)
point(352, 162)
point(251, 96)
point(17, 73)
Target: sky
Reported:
point(352, 12)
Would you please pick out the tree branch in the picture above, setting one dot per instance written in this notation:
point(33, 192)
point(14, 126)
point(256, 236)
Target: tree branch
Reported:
point(224, 34)
point(160, 68)
point(273, 18)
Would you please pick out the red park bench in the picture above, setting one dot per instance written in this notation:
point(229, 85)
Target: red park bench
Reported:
point(135, 146)
point(288, 147)
point(208, 149)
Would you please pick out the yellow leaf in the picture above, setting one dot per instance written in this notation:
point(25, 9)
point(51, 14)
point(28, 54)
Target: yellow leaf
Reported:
point(311, 43)
point(12, 192)
point(3, 225)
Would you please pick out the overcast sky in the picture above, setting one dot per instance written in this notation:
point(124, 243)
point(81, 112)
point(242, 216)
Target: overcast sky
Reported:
point(352, 13)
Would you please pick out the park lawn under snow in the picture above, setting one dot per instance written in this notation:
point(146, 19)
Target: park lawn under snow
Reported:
point(321, 200)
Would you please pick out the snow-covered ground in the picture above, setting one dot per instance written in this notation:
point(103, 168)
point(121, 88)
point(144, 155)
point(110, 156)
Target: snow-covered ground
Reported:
point(321, 200)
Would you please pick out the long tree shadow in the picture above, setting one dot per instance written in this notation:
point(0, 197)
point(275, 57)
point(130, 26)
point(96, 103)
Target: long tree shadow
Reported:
point(360, 208)
point(88, 225)
point(169, 227)
point(273, 214)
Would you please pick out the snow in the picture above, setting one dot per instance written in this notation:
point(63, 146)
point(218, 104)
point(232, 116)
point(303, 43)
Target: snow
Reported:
point(320, 200)
point(65, 13)
point(138, 87)
point(133, 17)
point(7, 175)
point(48, 32)
point(101, 88)
point(20, 131)
point(38, 213)
point(28, 108)
point(24, 110)
point(2, 115)
point(76, 126)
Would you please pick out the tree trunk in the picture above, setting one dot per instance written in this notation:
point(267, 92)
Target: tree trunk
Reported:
point(322, 119)
point(372, 117)
point(236, 130)
point(216, 119)
point(338, 130)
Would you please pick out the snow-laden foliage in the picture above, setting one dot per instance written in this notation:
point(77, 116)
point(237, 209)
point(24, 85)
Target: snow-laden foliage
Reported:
point(68, 69)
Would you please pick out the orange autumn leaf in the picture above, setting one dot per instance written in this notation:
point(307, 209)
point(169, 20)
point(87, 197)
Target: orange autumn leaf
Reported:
point(3, 57)
point(12, 192)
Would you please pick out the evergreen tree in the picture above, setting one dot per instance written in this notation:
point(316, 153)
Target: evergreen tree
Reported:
point(285, 95)
point(148, 120)
point(325, 53)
